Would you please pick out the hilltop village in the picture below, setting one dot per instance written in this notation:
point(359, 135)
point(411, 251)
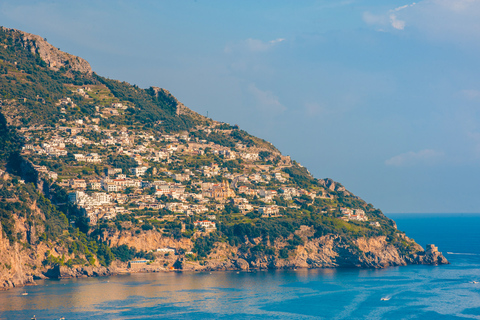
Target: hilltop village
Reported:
point(119, 171)
point(97, 173)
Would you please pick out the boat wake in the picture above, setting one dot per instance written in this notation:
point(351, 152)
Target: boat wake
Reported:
point(464, 254)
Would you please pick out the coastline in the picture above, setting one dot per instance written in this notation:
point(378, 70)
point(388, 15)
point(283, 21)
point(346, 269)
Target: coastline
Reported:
point(430, 257)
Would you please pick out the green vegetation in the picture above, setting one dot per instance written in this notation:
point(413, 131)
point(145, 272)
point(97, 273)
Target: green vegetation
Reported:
point(150, 107)
point(124, 253)
point(121, 161)
point(204, 245)
point(10, 141)
point(300, 175)
point(25, 76)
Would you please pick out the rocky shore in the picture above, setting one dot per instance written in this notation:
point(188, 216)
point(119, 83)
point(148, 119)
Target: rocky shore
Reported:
point(374, 255)
point(64, 272)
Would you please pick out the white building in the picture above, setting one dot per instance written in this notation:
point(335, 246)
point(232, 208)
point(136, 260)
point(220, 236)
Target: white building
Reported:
point(208, 225)
point(166, 250)
point(269, 211)
point(138, 171)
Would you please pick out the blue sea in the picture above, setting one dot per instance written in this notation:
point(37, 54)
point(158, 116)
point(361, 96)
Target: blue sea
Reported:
point(411, 292)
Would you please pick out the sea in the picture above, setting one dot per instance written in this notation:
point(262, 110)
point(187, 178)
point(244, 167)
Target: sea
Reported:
point(409, 292)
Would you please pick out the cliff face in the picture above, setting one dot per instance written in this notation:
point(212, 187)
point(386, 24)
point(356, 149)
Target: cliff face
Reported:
point(19, 263)
point(329, 251)
point(180, 108)
point(332, 251)
point(53, 57)
point(429, 256)
point(146, 241)
point(23, 263)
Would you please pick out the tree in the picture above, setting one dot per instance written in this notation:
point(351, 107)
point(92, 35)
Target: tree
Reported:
point(264, 155)
point(10, 142)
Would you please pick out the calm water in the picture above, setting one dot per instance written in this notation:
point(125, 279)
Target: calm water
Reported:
point(414, 292)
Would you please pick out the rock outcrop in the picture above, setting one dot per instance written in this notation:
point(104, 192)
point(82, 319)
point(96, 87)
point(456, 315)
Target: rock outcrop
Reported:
point(18, 261)
point(64, 272)
point(430, 256)
point(242, 264)
point(180, 108)
point(53, 57)
point(330, 251)
point(146, 241)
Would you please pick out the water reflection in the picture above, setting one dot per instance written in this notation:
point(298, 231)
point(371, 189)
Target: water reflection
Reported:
point(303, 293)
point(205, 290)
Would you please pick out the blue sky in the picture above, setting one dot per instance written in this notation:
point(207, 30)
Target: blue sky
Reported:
point(382, 96)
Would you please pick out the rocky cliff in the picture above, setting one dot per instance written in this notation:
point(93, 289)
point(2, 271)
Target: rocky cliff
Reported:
point(13, 267)
point(330, 251)
point(52, 56)
point(21, 264)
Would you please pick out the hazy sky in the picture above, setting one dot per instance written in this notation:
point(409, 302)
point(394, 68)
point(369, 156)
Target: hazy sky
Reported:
point(382, 96)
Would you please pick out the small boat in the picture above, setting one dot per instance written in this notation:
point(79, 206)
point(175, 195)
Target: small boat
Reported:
point(25, 293)
point(474, 282)
point(385, 299)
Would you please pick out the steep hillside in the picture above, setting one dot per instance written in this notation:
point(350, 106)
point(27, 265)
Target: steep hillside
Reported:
point(100, 176)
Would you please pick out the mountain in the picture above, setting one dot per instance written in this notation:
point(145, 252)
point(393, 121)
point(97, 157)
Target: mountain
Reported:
point(100, 177)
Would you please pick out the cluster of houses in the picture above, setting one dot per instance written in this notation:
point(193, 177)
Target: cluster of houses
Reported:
point(99, 205)
point(104, 198)
point(47, 149)
point(123, 190)
point(353, 214)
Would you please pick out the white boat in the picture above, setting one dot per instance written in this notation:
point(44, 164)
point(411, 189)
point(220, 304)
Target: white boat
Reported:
point(385, 299)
